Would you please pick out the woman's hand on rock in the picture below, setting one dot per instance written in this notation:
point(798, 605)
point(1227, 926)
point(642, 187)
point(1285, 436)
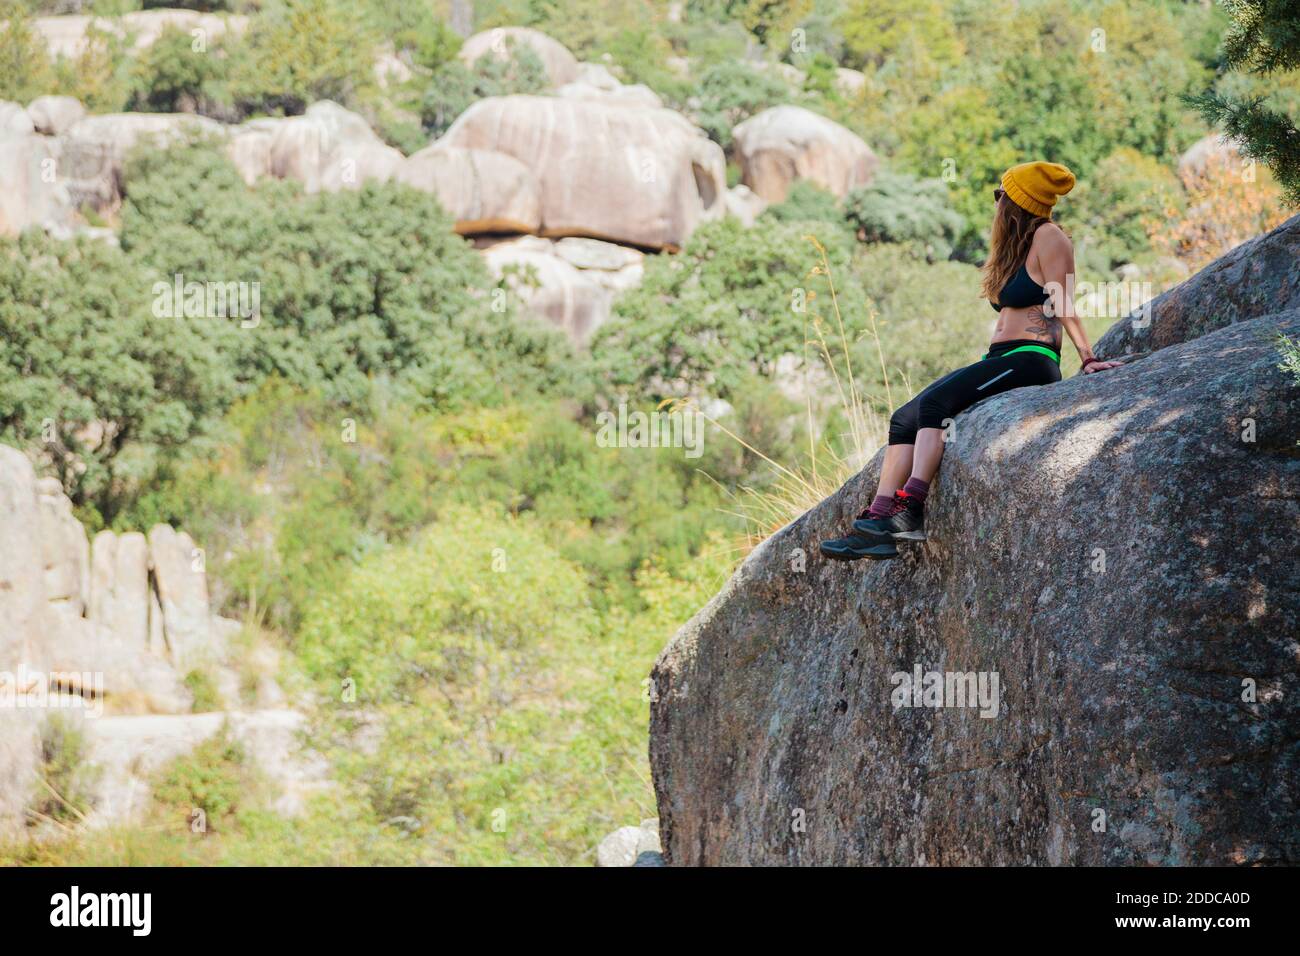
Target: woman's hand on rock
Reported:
point(1098, 366)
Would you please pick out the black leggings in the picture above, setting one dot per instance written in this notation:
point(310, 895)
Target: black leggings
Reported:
point(959, 390)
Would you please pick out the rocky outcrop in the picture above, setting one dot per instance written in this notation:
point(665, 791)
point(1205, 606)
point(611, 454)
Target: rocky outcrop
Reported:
point(328, 148)
point(595, 82)
point(54, 115)
point(181, 579)
point(561, 65)
point(104, 632)
point(1256, 278)
point(786, 143)
point(644, 177)
point(570, 283)
point(14, 120)
point(1091, 660)
point(34, 195)
point(483, 191)
point(94, 150)
point(631, 846)
point(130, 750)
point(129, 611)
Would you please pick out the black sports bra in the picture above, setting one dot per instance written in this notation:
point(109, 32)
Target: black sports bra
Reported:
point(1020, 292)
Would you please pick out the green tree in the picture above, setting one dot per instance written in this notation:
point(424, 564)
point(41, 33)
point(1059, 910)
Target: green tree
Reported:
point(1111, 213)
point(300, 51)
point(454, 87)
point(903, 209)
point(88, 375)
point(354, 286)
point(1264, 40)
point(728, 306)
point(171, 76)
point(25, 68)
point(730, 92)
point(880, 32)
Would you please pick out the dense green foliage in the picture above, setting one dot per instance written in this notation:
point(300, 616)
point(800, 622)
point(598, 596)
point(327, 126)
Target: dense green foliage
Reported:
point(898, 208)
point(396, 475)
point(354, 288)
point(85, 371)
point(1263, 39)
point(734, 301)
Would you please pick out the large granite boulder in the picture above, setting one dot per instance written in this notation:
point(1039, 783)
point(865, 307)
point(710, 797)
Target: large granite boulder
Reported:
point(54, 115)
point(484, 191)
point(561, 65)
point(327, 148)
point(95, 149)
point(551, 287)
point(1119, 552)
point(119, 592)
point(786, 143)
point(14, 120)
point(65, 549)
point(34, 193)
point(22, 572)
point(1258, 277)
point(180, 574)
point(626, 174)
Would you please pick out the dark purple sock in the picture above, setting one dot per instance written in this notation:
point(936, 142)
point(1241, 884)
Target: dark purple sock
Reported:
point(881, 507)
point(917, 489)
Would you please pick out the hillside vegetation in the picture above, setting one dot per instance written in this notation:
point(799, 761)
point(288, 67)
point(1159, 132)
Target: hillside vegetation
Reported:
point(396, 477)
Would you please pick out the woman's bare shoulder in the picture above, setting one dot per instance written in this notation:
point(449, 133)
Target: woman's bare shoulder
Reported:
point(1050, 236)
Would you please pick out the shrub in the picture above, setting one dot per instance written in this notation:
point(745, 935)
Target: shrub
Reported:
point(729, 305)
point(300, 51)
point(171, 76)
point(25, 68)
point(203, 690)
point(903, 209)
point(807, 203)
point(730, 92)
point(454, 86)
point(65, 781)
point(213, 780)
point(89, 376)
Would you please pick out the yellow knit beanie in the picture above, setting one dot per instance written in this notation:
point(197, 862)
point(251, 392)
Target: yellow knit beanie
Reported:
point(1035, 187)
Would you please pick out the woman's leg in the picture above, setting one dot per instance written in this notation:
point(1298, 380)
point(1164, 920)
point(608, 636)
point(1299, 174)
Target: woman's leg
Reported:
point(928, 454)
point(895, 469)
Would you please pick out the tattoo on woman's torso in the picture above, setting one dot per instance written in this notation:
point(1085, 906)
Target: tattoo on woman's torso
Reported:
point(1041, 325)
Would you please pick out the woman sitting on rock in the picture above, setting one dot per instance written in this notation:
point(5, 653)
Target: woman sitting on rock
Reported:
point(1027, 281)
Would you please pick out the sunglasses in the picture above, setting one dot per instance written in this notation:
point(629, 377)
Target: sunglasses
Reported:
point(998, 194)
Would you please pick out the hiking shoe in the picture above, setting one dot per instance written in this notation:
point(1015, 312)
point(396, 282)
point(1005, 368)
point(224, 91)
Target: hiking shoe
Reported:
point(905, 522)
point(854, 547)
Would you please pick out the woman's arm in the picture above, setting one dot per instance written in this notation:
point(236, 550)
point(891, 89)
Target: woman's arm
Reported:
point(1056, 256)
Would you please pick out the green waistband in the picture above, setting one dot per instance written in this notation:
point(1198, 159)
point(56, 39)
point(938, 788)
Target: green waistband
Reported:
point(1042, 349)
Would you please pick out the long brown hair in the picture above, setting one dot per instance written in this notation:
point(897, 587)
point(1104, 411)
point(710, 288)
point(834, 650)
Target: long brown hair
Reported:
point(1013, 233)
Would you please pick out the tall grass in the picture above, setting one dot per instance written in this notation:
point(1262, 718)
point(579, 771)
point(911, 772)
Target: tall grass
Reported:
point(830, 459)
